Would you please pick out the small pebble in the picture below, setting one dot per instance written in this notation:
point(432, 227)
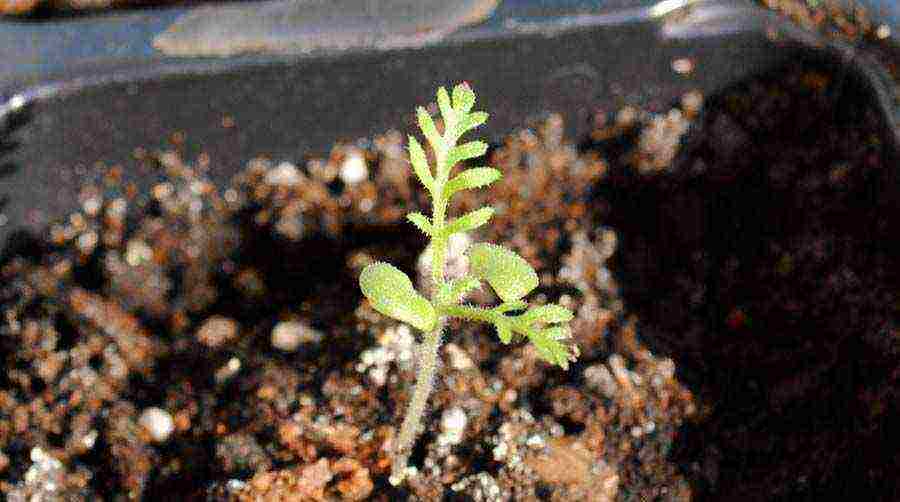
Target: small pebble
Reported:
point(158, 422)
point(459, 360)
point(87, 242)
point(289, 335)
point(500, 451)
point(284, 174)
point(235, 485)
point(89, 439)
point(231, 368)
point(535, 441)
point(682, 66)
point(354, 168)
point(599, 378)
point(137, 252)
point(453, 424)
point(217, 331)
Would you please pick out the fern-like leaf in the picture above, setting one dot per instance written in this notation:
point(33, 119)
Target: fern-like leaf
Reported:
point(421, 222)
point(447, 111)
point(547, 314)
point(505, 307)
point(504, 332)
point(463, 98)
point(469, 221)
point(476, 177)
point(420, 163)
point(550, 346)
point(471, 121)
point(426, 124)
point(466, 151)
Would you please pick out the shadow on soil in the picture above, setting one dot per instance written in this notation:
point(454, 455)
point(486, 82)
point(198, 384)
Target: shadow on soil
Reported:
point(765, 263)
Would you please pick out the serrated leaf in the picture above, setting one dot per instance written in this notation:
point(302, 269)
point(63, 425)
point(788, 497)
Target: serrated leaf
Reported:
point(510, 306)
point(392, 293)
point(469, 221)
point(508, 273)
point(444, 294)
point(557, 332)
point(421, 222)
point(447, 112)
point(463, 98)
point(469, 150)
point(550, 348)
point(476, 177)
point(471, 121)
point(459, 288)
point(504, 332)
point(426, 124)
point(420, 163)
point(548, 314)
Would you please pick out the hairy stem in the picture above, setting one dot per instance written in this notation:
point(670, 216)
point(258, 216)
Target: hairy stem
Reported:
point(428, 355)
point(439, 214)
point(412, 421)
point(469, 313)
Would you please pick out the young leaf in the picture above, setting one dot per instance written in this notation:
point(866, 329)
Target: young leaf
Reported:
point(508, 273)
point(421, 222)
point(476, 177)
point(510, 306)
point(392, 293)
point(447, 111)
point(426, 124)
point(452, 292)
point(444, 294)
point(420, 163)
point(471, 121)
point(503, 332)
point(469, 221)
point(548, 314)
point(463, 98)
point(463, 286)
point(465, 151)
point(549, 348)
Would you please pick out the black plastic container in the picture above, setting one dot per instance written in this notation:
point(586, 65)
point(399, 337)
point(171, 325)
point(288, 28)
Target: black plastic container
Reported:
point(91, 89)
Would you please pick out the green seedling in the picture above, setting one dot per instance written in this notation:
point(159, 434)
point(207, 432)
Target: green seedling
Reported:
point(392, 293)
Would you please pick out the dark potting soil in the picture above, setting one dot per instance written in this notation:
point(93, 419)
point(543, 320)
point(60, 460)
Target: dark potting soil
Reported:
point(732, 264)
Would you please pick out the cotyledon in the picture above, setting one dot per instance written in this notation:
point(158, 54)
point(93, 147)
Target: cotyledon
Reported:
point(298, 26)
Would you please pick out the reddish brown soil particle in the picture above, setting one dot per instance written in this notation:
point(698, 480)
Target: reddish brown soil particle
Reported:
point(569, 464)
point(134, 344)
point(321, 481)
point(217, 331)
